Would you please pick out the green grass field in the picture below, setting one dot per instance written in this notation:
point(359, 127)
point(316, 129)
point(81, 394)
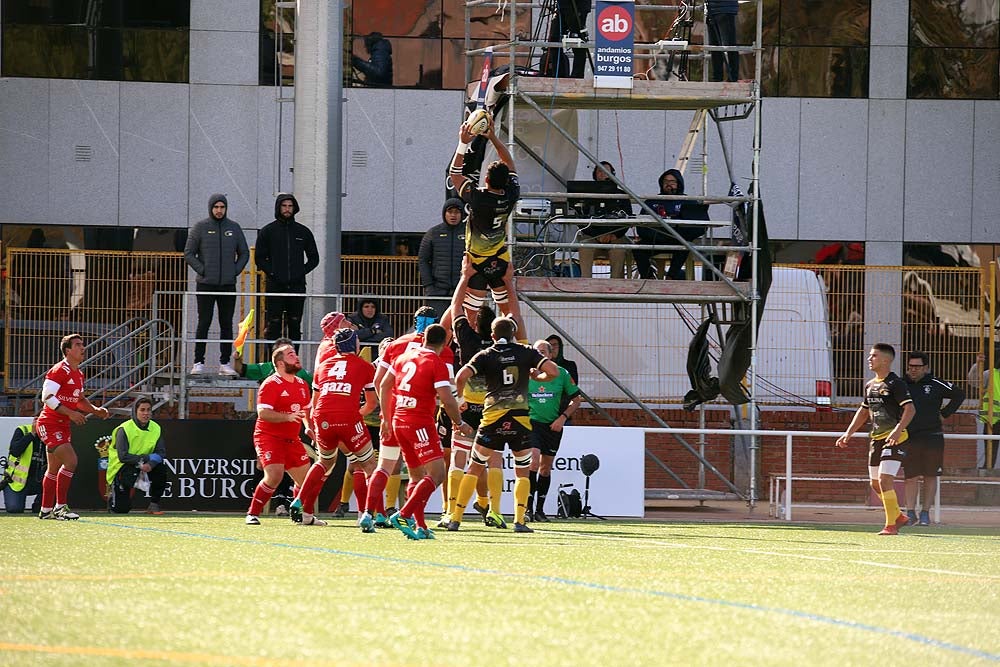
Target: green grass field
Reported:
point(197, 589)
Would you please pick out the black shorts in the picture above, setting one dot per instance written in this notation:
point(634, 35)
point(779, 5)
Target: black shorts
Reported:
point(878, 452)
point(489, 271)
point(513, 432)
point(444, 428)
point(544, 439)
point(925, 455)
point(471, 415)
point(375, 434)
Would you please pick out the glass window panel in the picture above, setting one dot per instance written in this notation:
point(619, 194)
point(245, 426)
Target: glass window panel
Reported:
point(155, 55)
point(416, 62)
point(746, 22)
point(954, 73)
point(277, 34)
point(392, 18)
point(485, 22)
point(825, 23)
point(815, 71)
point(156, 13)
point(28, 11)
point(59, 52)
point(954, 23)
point(454, 63)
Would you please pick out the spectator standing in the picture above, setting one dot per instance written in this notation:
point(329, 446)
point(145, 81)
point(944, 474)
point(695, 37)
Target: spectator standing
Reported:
point(925, 449)
point(981, 377)
point(64, 404)
point(378, 68)
point(570, 20)
point(440, 255)
point(372, 325)
point(286, 253)
point(137, 447)
point(671, 183)
point(548, 417)
point(557, 351)
point(217, 251)
point(887, 402)
point(605, 235)
point(720, 20)
point(25, 469)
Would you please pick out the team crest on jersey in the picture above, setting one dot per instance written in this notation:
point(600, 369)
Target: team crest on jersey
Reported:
point(296, 407)
point(927, 389)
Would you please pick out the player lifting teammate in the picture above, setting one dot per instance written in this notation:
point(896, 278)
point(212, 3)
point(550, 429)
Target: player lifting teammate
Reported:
point(486, 229)
point(506, 366)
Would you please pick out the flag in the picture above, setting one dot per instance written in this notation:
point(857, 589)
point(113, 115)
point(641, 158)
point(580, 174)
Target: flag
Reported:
point(241, 335)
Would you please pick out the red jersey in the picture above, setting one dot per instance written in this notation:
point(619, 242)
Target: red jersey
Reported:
point(281, 396)
point(414, 341)
point(70, 389)
point(326, 349)
point(418, 374)
point(339, 382)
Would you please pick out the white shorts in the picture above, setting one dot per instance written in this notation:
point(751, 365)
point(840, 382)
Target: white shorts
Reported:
point(886, 467)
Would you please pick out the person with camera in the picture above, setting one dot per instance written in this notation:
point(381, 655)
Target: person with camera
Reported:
point(372, 325)
point(547, 421)
point(136, 448)
point(25, 469)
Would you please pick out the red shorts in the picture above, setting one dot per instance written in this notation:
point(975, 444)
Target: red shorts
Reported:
point(53, 434)
point(289, 453)
point(354, 436)
point(420, 443)
point(389, 440)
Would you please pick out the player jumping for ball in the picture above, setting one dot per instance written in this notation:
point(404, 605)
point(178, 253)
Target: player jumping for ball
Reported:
point(486, 231)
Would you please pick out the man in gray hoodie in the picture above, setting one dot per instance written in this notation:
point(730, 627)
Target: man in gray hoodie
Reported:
point(440, 255)
point(217, 251)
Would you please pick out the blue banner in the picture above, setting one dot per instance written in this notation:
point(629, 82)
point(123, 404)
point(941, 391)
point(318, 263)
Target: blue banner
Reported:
point(614, 23)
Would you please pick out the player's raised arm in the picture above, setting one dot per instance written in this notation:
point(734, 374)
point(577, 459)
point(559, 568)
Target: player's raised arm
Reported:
point(459, 180)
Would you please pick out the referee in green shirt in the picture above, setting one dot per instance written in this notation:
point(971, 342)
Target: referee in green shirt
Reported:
point(548, 416)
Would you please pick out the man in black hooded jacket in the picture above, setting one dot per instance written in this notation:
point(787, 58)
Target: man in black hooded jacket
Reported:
point(671, 183)
point(286, 252)
point(440, 254)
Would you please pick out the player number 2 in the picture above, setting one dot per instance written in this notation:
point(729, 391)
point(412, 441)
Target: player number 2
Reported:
point(409, 370)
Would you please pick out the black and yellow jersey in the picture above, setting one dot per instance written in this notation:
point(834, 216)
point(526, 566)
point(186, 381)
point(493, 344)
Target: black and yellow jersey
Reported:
point(885, 398)
point(486, 228)
point(506, 368)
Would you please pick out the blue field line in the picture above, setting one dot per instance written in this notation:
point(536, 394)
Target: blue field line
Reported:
point(828, 620)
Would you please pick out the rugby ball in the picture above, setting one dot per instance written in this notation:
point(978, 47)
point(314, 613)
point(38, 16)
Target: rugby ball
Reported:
point(478, 121)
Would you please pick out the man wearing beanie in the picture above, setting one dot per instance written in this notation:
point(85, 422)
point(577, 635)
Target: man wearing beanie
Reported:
point(440, 255)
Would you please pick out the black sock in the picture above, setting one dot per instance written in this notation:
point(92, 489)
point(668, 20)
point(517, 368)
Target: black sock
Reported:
point(544, 481)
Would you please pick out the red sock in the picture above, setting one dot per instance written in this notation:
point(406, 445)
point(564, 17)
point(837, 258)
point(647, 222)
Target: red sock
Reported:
point(410, 486)
point(376, 492)
point(361, 489)
point(261, 495)
point(63, 481)
point(311, 486)
point(48, 491)
point(420, 493)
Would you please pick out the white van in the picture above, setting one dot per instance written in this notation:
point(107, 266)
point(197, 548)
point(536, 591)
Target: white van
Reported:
point(645, 345)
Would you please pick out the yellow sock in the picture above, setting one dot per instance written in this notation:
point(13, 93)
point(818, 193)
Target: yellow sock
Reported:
point(465, 491)
point(392, 491)
point(522, 489)
point(494, 481)
point(454, 482)
point(891, 505)
point(348, 488)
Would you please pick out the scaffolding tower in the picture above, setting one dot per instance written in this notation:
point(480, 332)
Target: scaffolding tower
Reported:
point(716, 100)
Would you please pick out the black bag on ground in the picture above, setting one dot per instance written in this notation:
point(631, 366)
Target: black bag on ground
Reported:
point(570, 505)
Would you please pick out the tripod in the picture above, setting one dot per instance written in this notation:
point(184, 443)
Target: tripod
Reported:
point(586, 513)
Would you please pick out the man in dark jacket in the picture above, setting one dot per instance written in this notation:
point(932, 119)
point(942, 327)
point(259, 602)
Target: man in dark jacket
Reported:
point(720, 20)
point(925, 447)
point(286, 252)
point(378, 68)
point(217, 251)
point(372, 325)
point(440, 255)
point(671, 183)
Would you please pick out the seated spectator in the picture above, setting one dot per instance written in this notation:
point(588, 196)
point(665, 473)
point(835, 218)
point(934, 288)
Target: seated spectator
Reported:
point(372, 325)
point(137, 447)
point(25, 469)
point(671, 183)
point(378, 68)
point(603, 234)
